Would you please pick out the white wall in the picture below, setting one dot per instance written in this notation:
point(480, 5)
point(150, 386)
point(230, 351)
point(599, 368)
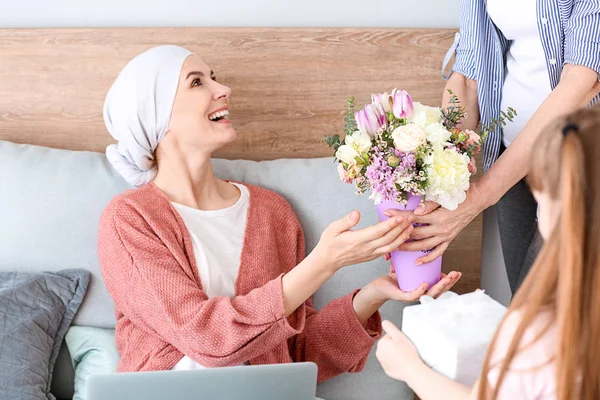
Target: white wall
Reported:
point(258, 13)
point(264, 13)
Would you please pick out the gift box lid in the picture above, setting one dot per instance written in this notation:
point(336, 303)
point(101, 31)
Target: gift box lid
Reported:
point(475, 315)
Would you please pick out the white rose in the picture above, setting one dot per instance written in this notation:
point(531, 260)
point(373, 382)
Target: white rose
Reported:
point(425, 115)
point(408, 138)
point(437, 133)
point(346, 154)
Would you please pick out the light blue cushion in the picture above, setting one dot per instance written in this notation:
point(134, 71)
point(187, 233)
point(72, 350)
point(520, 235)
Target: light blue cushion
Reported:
point(93, 351)
point(53, 200)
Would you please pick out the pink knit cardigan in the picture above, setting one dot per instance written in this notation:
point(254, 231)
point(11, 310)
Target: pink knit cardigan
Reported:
point(148, 264)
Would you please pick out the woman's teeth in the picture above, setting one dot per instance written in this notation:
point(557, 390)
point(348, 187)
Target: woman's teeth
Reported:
point(219, 115)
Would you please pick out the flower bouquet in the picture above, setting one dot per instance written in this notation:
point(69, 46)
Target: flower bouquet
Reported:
point(404, 153)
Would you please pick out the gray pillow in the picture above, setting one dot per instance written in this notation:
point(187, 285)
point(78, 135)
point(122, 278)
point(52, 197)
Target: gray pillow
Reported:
point(36, 309)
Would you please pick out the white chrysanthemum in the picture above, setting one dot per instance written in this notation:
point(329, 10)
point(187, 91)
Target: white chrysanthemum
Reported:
point(447, 177)
point(437, 133)
point(425, 115)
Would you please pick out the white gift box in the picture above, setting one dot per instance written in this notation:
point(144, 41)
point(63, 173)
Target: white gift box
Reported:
point(453, 333)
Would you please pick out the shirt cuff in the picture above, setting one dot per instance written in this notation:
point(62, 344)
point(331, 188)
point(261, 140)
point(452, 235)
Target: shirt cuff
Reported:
point(371, 330)
point(582, 52)
point(295, 322)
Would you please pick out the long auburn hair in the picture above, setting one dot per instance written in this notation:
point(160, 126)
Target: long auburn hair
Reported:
point(565, 279)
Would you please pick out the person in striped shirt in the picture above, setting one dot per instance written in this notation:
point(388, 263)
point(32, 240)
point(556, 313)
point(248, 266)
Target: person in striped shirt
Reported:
point(541, 58)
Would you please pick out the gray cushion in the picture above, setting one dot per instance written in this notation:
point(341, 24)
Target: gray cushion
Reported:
point(36, 309)
point(56, 198)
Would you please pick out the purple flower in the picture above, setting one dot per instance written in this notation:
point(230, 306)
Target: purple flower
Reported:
point(403, 104)
point(382, 177)
point(408, 162)
point(392, 183)
point(371, 119)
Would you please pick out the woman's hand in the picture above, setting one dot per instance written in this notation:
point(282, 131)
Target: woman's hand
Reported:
point(370, 298)
point(396, 353)
point(439, 225)
point(340, 246)
point(386, 288)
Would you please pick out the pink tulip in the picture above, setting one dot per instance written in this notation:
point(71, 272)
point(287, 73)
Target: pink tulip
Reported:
point(376, 99)
point(385, 100)
point(403, 104)
point(371, 119)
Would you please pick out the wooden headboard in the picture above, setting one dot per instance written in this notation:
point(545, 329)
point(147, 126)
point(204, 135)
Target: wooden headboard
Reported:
point(289, 87)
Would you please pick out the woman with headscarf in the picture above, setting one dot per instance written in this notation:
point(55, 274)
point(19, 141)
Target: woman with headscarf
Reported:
point(210, 273)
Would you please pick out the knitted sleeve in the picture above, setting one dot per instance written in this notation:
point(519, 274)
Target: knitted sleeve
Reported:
point(333, 337)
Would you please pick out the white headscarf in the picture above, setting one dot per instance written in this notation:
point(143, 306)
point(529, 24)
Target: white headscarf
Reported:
point(137, 110)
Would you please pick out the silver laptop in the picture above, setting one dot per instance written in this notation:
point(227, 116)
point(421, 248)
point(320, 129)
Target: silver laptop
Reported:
point(297, 381)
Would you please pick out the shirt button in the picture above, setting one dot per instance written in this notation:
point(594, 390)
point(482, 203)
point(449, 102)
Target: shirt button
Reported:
point(553, 61)
point(544, 20)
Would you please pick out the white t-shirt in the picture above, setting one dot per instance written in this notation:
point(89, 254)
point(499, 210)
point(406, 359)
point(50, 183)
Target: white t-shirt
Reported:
point(527, 83)
point(218, 238)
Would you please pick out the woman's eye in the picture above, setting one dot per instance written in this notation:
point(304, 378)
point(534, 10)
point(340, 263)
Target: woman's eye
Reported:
point(196, 82)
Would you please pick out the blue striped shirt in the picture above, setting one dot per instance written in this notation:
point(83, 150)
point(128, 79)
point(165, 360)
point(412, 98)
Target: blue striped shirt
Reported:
point(570, 33)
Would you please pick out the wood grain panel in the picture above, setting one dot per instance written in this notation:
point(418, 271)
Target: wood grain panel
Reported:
point(289, 87)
